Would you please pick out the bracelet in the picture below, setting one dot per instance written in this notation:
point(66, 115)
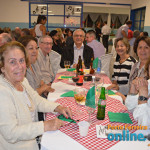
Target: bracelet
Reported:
point(142, 98)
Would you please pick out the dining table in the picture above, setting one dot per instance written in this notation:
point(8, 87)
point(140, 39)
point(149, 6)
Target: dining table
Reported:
point(68, 137)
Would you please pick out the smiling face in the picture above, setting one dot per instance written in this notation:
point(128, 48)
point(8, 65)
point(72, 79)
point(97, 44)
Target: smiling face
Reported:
point(143, 51)
point(78, 37)
point(46, 45)
point(89, 38)
point(14, 68)
point(121, 48)
point(32, 51)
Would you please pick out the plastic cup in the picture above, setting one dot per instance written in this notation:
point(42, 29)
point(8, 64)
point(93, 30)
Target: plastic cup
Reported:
point(83, 128)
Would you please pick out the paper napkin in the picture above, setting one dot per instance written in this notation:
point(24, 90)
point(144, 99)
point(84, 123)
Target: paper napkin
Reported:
point(90, 98)
point(119, 117)
point(68, 94)
point(65, 77)
point(71, 69)
point(62, 117)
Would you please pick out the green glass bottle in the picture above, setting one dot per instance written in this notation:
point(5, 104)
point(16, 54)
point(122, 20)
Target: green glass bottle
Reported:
point(101, 105)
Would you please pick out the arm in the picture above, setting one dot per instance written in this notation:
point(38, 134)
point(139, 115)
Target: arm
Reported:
point(43, 29)
point(124, 34)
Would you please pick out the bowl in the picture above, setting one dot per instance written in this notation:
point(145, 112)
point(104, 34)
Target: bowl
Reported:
point(88, 78)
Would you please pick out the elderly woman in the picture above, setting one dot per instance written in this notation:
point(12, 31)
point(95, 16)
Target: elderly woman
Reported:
point(19, 103)
point(122, 67)
point(142, 49)
point(139, 101)
point(34, 78)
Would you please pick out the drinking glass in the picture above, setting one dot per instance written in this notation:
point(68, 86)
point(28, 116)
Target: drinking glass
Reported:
point(67, 64)
point(90, 110)
point(79, 96)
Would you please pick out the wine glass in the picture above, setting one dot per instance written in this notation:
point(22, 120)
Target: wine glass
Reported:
point(79, 96)
point(67, 64)
point(90, 110)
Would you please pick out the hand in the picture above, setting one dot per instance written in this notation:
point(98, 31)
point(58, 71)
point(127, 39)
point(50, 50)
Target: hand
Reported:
point(143, 87)
point(113, 87)
point(50, 89)
point(53, 124)
point(74, 65)
point(122, 96)
point(66, 111)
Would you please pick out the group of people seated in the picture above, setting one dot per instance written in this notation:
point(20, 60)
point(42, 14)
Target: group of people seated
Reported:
point(29, 64)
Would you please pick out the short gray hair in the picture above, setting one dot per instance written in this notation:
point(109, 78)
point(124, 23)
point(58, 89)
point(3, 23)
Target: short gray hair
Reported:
point(78, 30)
point(43, 37)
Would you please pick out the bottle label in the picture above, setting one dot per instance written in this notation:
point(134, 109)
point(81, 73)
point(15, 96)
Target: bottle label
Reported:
point(80, 78)
point(103, 102)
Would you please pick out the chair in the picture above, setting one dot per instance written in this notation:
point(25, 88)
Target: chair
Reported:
point(105, 60)
point(113, 51)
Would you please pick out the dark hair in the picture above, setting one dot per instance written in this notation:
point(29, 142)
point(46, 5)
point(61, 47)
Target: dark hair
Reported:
point(26, 39)
point(105, 22)
point(138, 39)
point(145, 33)
point(53, 33)
point(40, 18)
point(129, 22)
point(26, 31)
point(125, 41)
point(7, 47)
point(15, 35)
point(136, 33)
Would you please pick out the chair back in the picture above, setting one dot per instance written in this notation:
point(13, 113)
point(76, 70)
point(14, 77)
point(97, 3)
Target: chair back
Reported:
point(105, 60)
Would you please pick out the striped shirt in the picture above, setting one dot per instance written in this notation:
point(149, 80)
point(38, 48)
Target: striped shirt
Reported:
point(122, 72)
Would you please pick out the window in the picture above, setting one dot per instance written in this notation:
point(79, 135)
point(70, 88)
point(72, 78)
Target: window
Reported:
point(138, 18)
point(58, 15)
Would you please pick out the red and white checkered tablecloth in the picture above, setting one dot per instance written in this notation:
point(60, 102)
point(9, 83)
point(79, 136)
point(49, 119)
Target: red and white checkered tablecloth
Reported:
point(91, 141)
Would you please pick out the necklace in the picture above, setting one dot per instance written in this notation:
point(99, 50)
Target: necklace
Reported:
point(30, 107)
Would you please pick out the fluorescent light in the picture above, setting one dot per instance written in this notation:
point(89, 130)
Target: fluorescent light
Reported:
point(77, 6)
point(77, 12)
point(49, 11)
point(50, 14)
point(42, 5)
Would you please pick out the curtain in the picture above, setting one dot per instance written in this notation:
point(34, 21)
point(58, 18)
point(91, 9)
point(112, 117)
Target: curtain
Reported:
point(85, 16)
point(104, 17)
point(123, 18)
point(113, 18)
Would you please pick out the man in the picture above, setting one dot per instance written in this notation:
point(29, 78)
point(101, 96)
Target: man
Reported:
point(106, 30)
point(48, 60)
point(4, 38)
point(97, 47)
point(123, 30)
point(72, 52)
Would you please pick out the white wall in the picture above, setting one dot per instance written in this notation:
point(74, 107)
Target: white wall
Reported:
point(14, 11)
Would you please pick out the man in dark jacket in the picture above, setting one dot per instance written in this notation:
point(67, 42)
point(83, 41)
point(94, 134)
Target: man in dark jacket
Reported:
point(72, 52)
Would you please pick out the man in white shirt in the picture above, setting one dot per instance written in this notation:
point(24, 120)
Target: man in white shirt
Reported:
point(106, 30)
point(97, 47)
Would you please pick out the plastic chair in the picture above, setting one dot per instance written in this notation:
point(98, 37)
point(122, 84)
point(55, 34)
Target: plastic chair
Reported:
point(105, 60)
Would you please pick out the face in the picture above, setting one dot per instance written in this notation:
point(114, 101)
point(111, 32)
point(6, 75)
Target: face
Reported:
point(78, 37)
point(89, 38)
point(143, 51)
point(69, 33)
point(44, 21)
point(32, 51)
point(14, 66)
point(46, 45)
point(121, 48)
point(56, 36)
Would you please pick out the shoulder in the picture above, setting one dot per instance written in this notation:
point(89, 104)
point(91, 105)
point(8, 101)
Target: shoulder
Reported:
point(86, 47)
point(132, 59)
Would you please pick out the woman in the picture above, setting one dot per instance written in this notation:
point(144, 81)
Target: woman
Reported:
point(122, 67)
point(19, 103)
point(34, 78)
point(142, 49)
point(98, 31)
point(57, 45)
point(40, 28)
point(139, 101)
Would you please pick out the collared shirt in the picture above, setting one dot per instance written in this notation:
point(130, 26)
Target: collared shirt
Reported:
point(124, 28)
point(77, 53)
point(45, 67)
point(106, 30)
point(97, 47)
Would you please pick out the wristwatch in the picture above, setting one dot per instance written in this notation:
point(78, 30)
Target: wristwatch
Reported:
point(142, 98)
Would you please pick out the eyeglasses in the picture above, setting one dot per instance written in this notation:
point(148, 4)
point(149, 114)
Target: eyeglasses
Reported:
point(78, 35)
point(47, 43)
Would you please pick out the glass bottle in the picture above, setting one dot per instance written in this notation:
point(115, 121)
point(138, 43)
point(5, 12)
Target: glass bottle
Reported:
point(101, 105)
point(92, 71)
point(80, 73)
